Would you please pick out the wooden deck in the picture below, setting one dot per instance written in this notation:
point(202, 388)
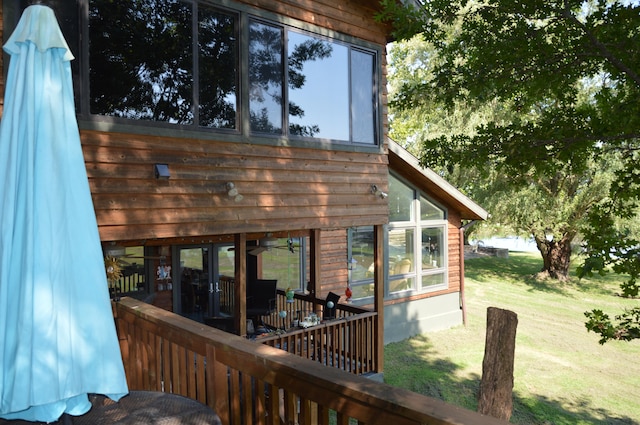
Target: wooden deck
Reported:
point(250, 383)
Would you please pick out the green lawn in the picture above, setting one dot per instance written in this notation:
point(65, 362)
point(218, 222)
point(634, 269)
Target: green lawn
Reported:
point(562, 374)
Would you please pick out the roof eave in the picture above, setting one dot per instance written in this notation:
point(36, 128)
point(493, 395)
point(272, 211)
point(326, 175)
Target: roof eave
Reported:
point(469, 210)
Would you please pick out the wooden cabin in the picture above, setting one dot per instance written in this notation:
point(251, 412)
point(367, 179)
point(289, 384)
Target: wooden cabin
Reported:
point(228, 141)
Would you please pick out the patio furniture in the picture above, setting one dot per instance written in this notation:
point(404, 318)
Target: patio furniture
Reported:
point(261, 298)
point(140, 407)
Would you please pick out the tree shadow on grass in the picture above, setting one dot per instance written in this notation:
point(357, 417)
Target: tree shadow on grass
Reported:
point(545, 411)
point(414, 364)
point(517, 268)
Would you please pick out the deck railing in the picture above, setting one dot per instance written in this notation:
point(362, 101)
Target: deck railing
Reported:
point(347, 343)
point(248, 383)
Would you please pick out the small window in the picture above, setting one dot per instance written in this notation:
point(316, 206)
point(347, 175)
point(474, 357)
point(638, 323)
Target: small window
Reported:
point(401, 197)
point(266, 75)
point(132, 275)
point(363, 97)
point(429, 211)
point(402, 259)
point(360, 261)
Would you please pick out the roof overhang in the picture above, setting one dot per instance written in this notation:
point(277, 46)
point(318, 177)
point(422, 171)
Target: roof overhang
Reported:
point(404, 163)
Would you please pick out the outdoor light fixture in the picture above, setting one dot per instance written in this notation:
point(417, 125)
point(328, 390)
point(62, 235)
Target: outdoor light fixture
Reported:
point(113, 250)
point(232, 192)
point(377, 192)
point(162, 171)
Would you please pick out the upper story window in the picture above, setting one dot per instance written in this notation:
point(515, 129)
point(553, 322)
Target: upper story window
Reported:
point(321, 88)
point(163, 61)
point(204, 66)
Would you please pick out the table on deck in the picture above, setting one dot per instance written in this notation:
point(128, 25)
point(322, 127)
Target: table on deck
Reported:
point(141, 407)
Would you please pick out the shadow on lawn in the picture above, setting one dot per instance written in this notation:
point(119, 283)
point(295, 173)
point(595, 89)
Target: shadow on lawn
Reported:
point(412, 364)
point(521, 268)
point(545, 411)
point(524, 268)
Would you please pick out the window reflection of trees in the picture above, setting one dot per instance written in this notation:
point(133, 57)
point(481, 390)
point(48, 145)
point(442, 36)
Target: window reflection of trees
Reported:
point(266, 76)
point(132, 77)
point(308, 49)
point(217, 69)
point(152, 60)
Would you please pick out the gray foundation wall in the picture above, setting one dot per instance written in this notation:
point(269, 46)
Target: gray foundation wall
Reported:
point(405, 320)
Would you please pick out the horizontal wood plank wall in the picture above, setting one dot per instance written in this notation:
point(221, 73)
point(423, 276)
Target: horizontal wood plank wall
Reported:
point(352, 17)
point(453, 251)
point(334, 262)
point(284, 188)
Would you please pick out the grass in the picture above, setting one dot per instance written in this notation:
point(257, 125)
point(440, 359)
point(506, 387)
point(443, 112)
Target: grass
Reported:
point(562, 374)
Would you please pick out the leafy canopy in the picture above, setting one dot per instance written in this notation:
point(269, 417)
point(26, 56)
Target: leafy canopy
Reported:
point(569, 72)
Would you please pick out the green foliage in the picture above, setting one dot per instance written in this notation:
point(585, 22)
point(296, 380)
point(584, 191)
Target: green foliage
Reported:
point(563, 80)
point(625, 327)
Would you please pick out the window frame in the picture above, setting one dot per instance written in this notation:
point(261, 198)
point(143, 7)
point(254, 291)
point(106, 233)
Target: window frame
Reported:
point(415, 275)
point(80, 70)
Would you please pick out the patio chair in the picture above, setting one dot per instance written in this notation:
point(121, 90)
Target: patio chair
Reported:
point(261, 299)
point(330, 313)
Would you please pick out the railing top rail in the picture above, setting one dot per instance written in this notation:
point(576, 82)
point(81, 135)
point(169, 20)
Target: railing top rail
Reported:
point(323, 325)
point(337, 389)
point(313, 299)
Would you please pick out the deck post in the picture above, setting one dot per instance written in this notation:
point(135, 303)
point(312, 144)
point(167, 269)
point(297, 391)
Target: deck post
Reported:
point(315, 274)
point(240, 290)
point(378, 258)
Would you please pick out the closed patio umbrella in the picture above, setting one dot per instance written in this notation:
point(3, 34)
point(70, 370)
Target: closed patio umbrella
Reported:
point(57, 334)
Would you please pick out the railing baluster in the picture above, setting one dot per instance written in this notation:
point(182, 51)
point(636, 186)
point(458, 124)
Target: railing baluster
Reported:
point(246, 382)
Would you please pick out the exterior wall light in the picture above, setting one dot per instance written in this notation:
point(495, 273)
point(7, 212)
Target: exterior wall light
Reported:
point(232, 192)
point(162, 171)
point(377, 192)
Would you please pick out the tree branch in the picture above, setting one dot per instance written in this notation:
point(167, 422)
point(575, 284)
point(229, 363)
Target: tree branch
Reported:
point(617, 63)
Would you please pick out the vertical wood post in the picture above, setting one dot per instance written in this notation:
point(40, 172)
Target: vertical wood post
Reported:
point(496, 388)
point(463, 304)
point(240, 290)
point(315, 272)
point(378, 277)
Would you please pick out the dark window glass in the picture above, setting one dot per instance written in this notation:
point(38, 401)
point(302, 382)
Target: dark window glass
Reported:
point(318, 73)
point(178, 62)
point(130, 75)
point(362, 97)
point(218, 70)
point(265, 78)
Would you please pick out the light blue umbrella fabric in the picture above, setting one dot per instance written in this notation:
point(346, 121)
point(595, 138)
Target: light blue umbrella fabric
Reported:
point(57, 334)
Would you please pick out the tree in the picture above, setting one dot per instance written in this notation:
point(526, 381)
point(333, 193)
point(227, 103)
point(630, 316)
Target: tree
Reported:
point(569, 71)
point(550, 207)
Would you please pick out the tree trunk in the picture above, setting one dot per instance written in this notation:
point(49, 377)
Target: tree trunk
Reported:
point(496, 387)
point(556, 256)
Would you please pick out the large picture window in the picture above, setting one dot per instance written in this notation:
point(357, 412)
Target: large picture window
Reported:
point(142, 64)
point(416, 246)
point(212, 66)
point(322, 88)
point(417, 239)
